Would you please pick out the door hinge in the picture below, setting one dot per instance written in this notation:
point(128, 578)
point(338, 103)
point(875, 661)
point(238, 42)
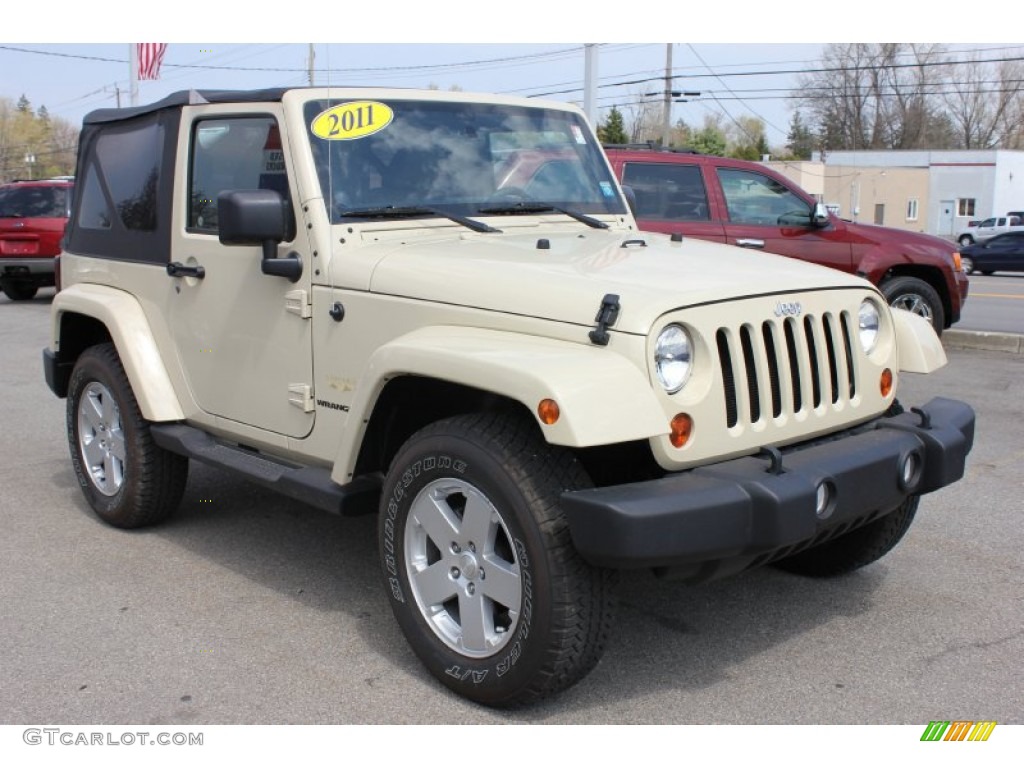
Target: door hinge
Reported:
point(297, 303)
point(301, 396)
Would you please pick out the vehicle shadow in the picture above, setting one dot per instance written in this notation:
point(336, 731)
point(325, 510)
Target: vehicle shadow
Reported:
point(668, 635)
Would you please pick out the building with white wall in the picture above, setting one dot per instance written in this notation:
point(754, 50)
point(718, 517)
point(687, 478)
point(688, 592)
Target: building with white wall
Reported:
point(933, 191)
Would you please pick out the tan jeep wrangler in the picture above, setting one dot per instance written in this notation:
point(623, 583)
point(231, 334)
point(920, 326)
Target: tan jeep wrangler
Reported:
point(437, 308)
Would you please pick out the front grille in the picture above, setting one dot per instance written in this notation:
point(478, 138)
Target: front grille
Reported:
point(786, 365)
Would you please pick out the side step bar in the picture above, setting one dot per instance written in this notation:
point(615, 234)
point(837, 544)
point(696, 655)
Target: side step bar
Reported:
point(311, 485)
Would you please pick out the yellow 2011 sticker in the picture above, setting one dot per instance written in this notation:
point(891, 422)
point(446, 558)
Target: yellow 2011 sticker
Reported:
point(352, 120)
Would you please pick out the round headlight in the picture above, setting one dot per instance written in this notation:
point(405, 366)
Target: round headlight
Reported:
point(867, 324)
point(673, 355)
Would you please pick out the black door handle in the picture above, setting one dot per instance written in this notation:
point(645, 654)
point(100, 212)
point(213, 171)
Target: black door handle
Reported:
point(177, 269)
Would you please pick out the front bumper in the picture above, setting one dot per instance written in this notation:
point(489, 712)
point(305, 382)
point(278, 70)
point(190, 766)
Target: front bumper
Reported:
point(721, 518)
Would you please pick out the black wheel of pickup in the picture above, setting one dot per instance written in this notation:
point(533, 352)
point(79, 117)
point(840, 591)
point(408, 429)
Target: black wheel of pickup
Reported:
point(851, 551)
point(479, 566)
point(127, 479)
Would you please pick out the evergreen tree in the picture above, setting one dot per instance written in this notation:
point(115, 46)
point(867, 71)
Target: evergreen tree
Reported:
point(709, 140)
point(800, 140)
point(613, 129)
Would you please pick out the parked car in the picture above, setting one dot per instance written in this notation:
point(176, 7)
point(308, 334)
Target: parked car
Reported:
point(747, 204)
point(979, 232)
point(1002, 253)
point(33, 215)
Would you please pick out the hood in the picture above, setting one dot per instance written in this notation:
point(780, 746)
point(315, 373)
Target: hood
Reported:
point(875, 234)
point(566, 281)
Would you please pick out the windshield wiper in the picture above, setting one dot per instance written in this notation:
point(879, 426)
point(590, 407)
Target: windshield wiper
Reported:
point(540, 207)
point(399, 212)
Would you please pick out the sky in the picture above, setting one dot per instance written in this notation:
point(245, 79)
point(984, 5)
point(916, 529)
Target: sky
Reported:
point(77, 61)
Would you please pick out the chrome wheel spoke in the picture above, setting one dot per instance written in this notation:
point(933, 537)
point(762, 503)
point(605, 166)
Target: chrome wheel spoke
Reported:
point(117, 447)
point(434, 584)
point(436, 518)
point(93, 453)
point(477, 523)
point(476, 622)
point(91, 412)
point(502, 584)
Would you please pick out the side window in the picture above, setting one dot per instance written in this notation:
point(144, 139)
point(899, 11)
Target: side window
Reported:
point(756, 199)
point(93, 212)
point(130, 163)
point(232, 153)
point(667, 192)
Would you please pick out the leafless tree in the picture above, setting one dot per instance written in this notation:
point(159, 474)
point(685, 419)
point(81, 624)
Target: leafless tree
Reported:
point(911, 96)
point(984, 102)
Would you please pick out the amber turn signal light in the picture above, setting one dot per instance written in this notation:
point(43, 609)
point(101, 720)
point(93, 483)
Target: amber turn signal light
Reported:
point(548, 411)
point(885, 383)
point(680, 429)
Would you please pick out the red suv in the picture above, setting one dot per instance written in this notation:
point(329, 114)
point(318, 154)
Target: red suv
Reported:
point(746, 204)
point(33, 215)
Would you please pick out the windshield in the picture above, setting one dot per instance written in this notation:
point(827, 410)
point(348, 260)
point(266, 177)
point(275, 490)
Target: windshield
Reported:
point(34, 202)
point(456, 157)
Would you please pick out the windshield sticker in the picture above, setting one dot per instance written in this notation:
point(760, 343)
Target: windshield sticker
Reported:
point(578, 134)
point(353, 120)
point(606, 189)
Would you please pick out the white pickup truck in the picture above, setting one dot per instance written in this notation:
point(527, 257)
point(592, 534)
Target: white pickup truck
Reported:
point(983, 230)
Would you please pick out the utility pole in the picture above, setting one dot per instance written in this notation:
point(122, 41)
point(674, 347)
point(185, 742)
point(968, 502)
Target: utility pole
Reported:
point(312, 57)
point(133, 74)
point(669, 96)
point(590, 83)
point(667, 125)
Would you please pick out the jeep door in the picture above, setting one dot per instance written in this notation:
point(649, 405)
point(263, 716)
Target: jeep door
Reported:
point(764, 213)
point(243, 338)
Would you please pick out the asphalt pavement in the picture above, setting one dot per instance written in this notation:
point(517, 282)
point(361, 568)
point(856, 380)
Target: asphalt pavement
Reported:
point(251, 608)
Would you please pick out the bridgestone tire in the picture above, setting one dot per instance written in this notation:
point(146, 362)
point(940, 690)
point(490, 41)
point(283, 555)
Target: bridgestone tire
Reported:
point(968, 264)
point(127, 479)
point(966, 240)
point(917, 296)
point(479, 566)
point(851, 551)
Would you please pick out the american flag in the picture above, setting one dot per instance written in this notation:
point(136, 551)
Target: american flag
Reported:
point(151, 56)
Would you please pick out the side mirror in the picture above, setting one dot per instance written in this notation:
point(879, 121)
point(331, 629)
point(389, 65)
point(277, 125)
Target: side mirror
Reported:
point(630, 198)
point(259, 217)
point(820, 217)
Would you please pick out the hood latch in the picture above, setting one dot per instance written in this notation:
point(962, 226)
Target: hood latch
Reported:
point(606, 317)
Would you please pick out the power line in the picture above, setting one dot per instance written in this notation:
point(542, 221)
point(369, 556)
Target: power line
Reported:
point(419, 67)
point(777, 72)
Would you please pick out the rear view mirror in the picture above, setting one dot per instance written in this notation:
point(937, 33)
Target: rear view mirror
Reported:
point(820, 218)
point(259, 217)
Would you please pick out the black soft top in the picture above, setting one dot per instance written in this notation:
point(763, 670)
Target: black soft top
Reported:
point(182, 99)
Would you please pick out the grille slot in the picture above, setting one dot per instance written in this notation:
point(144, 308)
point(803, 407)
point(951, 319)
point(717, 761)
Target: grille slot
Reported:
point(785, 366)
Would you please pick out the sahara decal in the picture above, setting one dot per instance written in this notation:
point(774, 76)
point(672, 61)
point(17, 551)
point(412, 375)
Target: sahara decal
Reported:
point(352, 120)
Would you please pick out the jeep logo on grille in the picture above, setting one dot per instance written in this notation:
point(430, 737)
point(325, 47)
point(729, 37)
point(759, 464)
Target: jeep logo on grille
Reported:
point(788, 309)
